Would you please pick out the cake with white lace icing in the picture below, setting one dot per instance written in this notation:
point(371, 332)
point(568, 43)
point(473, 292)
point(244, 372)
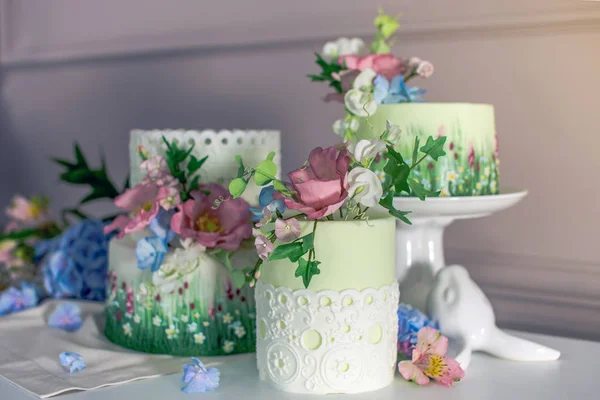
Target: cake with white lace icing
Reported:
point(176, 267)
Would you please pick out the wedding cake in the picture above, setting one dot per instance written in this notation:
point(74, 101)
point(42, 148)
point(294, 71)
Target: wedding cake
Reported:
point(176, 269)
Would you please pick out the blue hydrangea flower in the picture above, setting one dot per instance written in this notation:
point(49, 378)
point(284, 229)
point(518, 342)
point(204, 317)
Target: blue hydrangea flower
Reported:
point(75, 264)
point(13, 299)
point(396, 91)
point(150, 253)
point(199, 379)
point(266, 199)
point(66, 316)
point(410, 322)
point(73, 362)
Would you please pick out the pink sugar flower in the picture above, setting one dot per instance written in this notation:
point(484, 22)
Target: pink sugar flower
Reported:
point(214, 220)
point(142, 203)
point(264, 247)
point(287, 230)
point(429, 361)
point(321, 188)
point(383, 64)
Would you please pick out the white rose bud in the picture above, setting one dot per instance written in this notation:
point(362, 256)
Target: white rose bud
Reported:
point(360, 103)
point(364, 187)
point(367, 149)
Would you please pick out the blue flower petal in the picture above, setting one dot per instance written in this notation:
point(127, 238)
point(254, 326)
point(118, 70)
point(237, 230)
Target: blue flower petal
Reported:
point(199, 379)
point(72, 361)
point(150, 252)
point(381, 88)
point(266, 196)
point(66, 316)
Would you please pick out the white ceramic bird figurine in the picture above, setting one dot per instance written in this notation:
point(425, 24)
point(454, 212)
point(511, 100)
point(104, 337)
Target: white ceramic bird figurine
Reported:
point(465, 314)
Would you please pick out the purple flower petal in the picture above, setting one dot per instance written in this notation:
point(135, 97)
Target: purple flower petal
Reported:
point(66, 316)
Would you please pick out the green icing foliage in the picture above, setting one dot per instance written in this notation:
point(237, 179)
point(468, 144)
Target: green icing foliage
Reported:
point(306, 270)
point(327, 71)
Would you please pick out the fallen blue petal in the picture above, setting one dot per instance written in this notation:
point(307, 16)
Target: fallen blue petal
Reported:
point(66, 316)
point(198, 378)
point(73, 362)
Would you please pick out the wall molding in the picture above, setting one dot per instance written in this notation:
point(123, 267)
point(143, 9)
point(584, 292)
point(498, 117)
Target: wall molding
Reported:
point(549, 295)
point(22, 44)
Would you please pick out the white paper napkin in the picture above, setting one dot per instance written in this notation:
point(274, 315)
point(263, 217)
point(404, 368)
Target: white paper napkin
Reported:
point(29, 351)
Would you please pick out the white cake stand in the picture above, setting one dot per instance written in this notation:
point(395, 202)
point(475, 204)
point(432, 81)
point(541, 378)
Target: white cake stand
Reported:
point(420, 246)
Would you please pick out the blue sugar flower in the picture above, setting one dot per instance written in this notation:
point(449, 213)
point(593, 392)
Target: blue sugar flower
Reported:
point(410, 322)
point(75, 264)
point(73, 362)
point(267, 199)
point(150, 252)
point(199, 379)
point(161, 226)
point(13, 299)
point(394, 92)
point(66, 316)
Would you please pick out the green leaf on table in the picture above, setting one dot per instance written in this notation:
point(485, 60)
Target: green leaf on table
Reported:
point(238, 277)
point(420, 191)
point(293, 251)
point(237, 187)
point(306, 270)
point(434, 147)
point(194, 164)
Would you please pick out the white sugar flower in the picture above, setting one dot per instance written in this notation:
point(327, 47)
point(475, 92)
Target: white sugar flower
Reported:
point(343, 47)
point(367, 149)
point(359, 100)
point(424, 69)
point(364, 187)
point(393, 132)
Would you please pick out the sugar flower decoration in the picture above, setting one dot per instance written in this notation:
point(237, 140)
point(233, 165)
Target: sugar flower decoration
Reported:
point(366, 150)
point(72, 362)
point(382, 64)
point(360, 100)
point(410, 322)
point(13, 299)
point(364, 186)
point(264, 247)
point(429, 361)
point(395, 91)
point(28, 212)
point(343, 47)
point(287, 230)
point(151, 251)
point(269, 201)
point(199, 379)
point(66, 316)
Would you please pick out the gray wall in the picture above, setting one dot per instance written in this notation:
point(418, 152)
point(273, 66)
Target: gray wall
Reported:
point(91, 71)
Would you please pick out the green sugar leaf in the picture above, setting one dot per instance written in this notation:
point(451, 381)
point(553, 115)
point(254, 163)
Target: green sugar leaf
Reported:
point(415, 153)
point(434, 147)
point(237, 187)
point(387, 202)
point(392, 153)
point(281, 187)
point(387, 25)
point(194, 185)
point(64, 163)
point(306, 270)
point(194, 164)
point(79, 157)
point(420, 191)
point(398, 173)
point(241, 169)
point(308, 242)
point(379, 45)
point(238, 277)
point(293, 251)
point(265, 172)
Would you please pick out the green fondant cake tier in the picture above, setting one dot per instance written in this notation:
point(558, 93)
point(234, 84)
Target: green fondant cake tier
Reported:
point(188, 308)
point(354, 254)
point(471, 164)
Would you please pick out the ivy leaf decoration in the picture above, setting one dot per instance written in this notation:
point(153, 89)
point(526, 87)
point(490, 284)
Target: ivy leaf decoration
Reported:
point(434, 147)
point(194, 164)
point(308, 242)
point(397, 170)
point(265, 171)
point(79, 173)
point(420, 191)
point(327, 71)
point(293, 251)
point(387, 202)
point(415, 150)
point(306, 270)
point(241, 169)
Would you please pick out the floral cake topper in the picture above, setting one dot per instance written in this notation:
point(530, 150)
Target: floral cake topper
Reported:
point(364, 78)
point(332, 184)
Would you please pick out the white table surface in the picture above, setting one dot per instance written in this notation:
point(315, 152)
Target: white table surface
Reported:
point(575, 376)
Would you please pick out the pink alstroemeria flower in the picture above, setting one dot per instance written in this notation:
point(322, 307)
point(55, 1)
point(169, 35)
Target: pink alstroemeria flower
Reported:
point(287, 230)
point(321, 188)
point(27, 212)
point(429, 361)
point(214, 219)
point(142, 202)
point(383, 64)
